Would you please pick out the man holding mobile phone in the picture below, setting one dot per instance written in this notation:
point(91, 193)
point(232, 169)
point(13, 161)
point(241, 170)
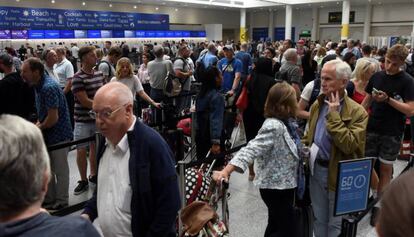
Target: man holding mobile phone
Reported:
point(390, 95)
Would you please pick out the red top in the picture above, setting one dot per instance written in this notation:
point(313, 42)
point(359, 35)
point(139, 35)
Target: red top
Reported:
point(358, 97)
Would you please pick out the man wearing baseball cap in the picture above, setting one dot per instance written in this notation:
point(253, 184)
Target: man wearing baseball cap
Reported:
point(231, 69)
point(300, 47)
point(16, 97)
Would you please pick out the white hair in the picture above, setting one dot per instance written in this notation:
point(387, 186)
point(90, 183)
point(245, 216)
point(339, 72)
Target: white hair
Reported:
point(23, 163)
point(342, 69)
point(290, 54)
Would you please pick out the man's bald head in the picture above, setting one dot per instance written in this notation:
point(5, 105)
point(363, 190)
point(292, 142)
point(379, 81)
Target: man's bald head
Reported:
point(113, 108)
point(115, 92)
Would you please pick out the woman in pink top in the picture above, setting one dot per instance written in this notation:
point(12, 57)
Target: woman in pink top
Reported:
point(144, 77)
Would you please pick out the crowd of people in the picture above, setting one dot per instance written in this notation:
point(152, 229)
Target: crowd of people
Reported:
point(341, 101)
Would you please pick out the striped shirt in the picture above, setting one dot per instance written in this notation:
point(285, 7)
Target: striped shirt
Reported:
point(89, 83)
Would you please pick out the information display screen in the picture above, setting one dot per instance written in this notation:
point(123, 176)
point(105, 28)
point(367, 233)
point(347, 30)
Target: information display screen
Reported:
point(19, 34)
point(118, 34)
point(67, 34)
point(94, 34)
point(129, 34)
point(106, 33)
point(52, 34)
point(352, 189)
point(5, 34)
point(80, 34)
point(36, 34)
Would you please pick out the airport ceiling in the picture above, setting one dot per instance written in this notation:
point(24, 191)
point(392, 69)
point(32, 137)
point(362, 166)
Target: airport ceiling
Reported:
point(253, 4)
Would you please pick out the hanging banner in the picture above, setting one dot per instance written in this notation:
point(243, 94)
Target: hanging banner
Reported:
point(61, 19)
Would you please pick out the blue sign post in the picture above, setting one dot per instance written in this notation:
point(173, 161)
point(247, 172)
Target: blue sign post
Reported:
point(352, 188)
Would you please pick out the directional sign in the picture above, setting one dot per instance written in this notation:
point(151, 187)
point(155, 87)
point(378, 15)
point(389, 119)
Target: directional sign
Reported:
point(352, 188)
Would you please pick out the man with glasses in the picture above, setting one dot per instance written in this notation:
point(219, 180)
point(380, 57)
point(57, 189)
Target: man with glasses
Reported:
point(85, 83)
point(137, 192)
point(53, 115)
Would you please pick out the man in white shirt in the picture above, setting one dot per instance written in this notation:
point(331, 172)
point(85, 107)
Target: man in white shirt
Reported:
point(75, 51)
point(49, 58)
point(64, 71)
point(137, 192)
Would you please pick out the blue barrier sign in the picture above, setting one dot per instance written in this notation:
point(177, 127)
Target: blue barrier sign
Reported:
point(61, 19)
point(352, 186)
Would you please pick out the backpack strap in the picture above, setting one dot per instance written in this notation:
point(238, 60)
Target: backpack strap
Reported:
point(315, 91)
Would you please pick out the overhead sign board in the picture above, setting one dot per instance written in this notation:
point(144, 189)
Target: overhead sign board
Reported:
point(60, 19)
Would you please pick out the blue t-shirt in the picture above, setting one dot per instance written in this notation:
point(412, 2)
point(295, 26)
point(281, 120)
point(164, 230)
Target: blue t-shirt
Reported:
point(209, 59)
point(246, 60)
point(230, 73)
point(50, 96)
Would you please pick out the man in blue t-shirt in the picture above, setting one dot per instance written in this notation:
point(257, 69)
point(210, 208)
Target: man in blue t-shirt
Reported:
point(246, 60)
point(231, 68)
point(208, 56)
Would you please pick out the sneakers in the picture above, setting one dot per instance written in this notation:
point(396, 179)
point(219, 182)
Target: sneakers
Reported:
point(93, 179)
point(82, 187)
point(374, 215)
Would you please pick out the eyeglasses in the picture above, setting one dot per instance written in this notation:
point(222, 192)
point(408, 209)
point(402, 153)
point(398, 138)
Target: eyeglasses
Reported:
point(105, 114)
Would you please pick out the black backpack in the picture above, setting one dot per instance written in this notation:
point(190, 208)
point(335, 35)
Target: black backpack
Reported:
point(315, 92)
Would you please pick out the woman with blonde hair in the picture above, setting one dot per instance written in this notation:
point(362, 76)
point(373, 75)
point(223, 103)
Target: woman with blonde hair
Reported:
point(275, 152)
point(124, 73)
point(364, 69)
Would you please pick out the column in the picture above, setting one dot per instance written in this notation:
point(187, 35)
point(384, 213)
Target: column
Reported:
point(271, 25)
point(288, 22)
point(243, 37)
point(346, 6)
point(412, 37)
point(315, 24)
point(251, 19)
point(367, 22)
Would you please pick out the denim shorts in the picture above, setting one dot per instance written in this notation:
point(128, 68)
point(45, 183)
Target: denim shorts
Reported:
point(83, 130)
point(386, 148)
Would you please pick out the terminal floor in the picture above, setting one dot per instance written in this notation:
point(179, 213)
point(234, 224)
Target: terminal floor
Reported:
point(248, 214)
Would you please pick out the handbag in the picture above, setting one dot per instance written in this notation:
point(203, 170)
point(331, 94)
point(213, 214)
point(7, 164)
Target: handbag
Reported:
point(243, 99)
point(200, 219)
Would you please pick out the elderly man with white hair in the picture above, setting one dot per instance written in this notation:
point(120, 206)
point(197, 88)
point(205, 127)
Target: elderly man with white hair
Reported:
point(290, 71)
point(336, 132)
point(24, 177)
point(137, 192)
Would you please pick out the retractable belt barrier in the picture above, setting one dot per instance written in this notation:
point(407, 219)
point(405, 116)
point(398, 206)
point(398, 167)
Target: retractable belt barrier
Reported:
point(79, 206)
point(350, 224)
